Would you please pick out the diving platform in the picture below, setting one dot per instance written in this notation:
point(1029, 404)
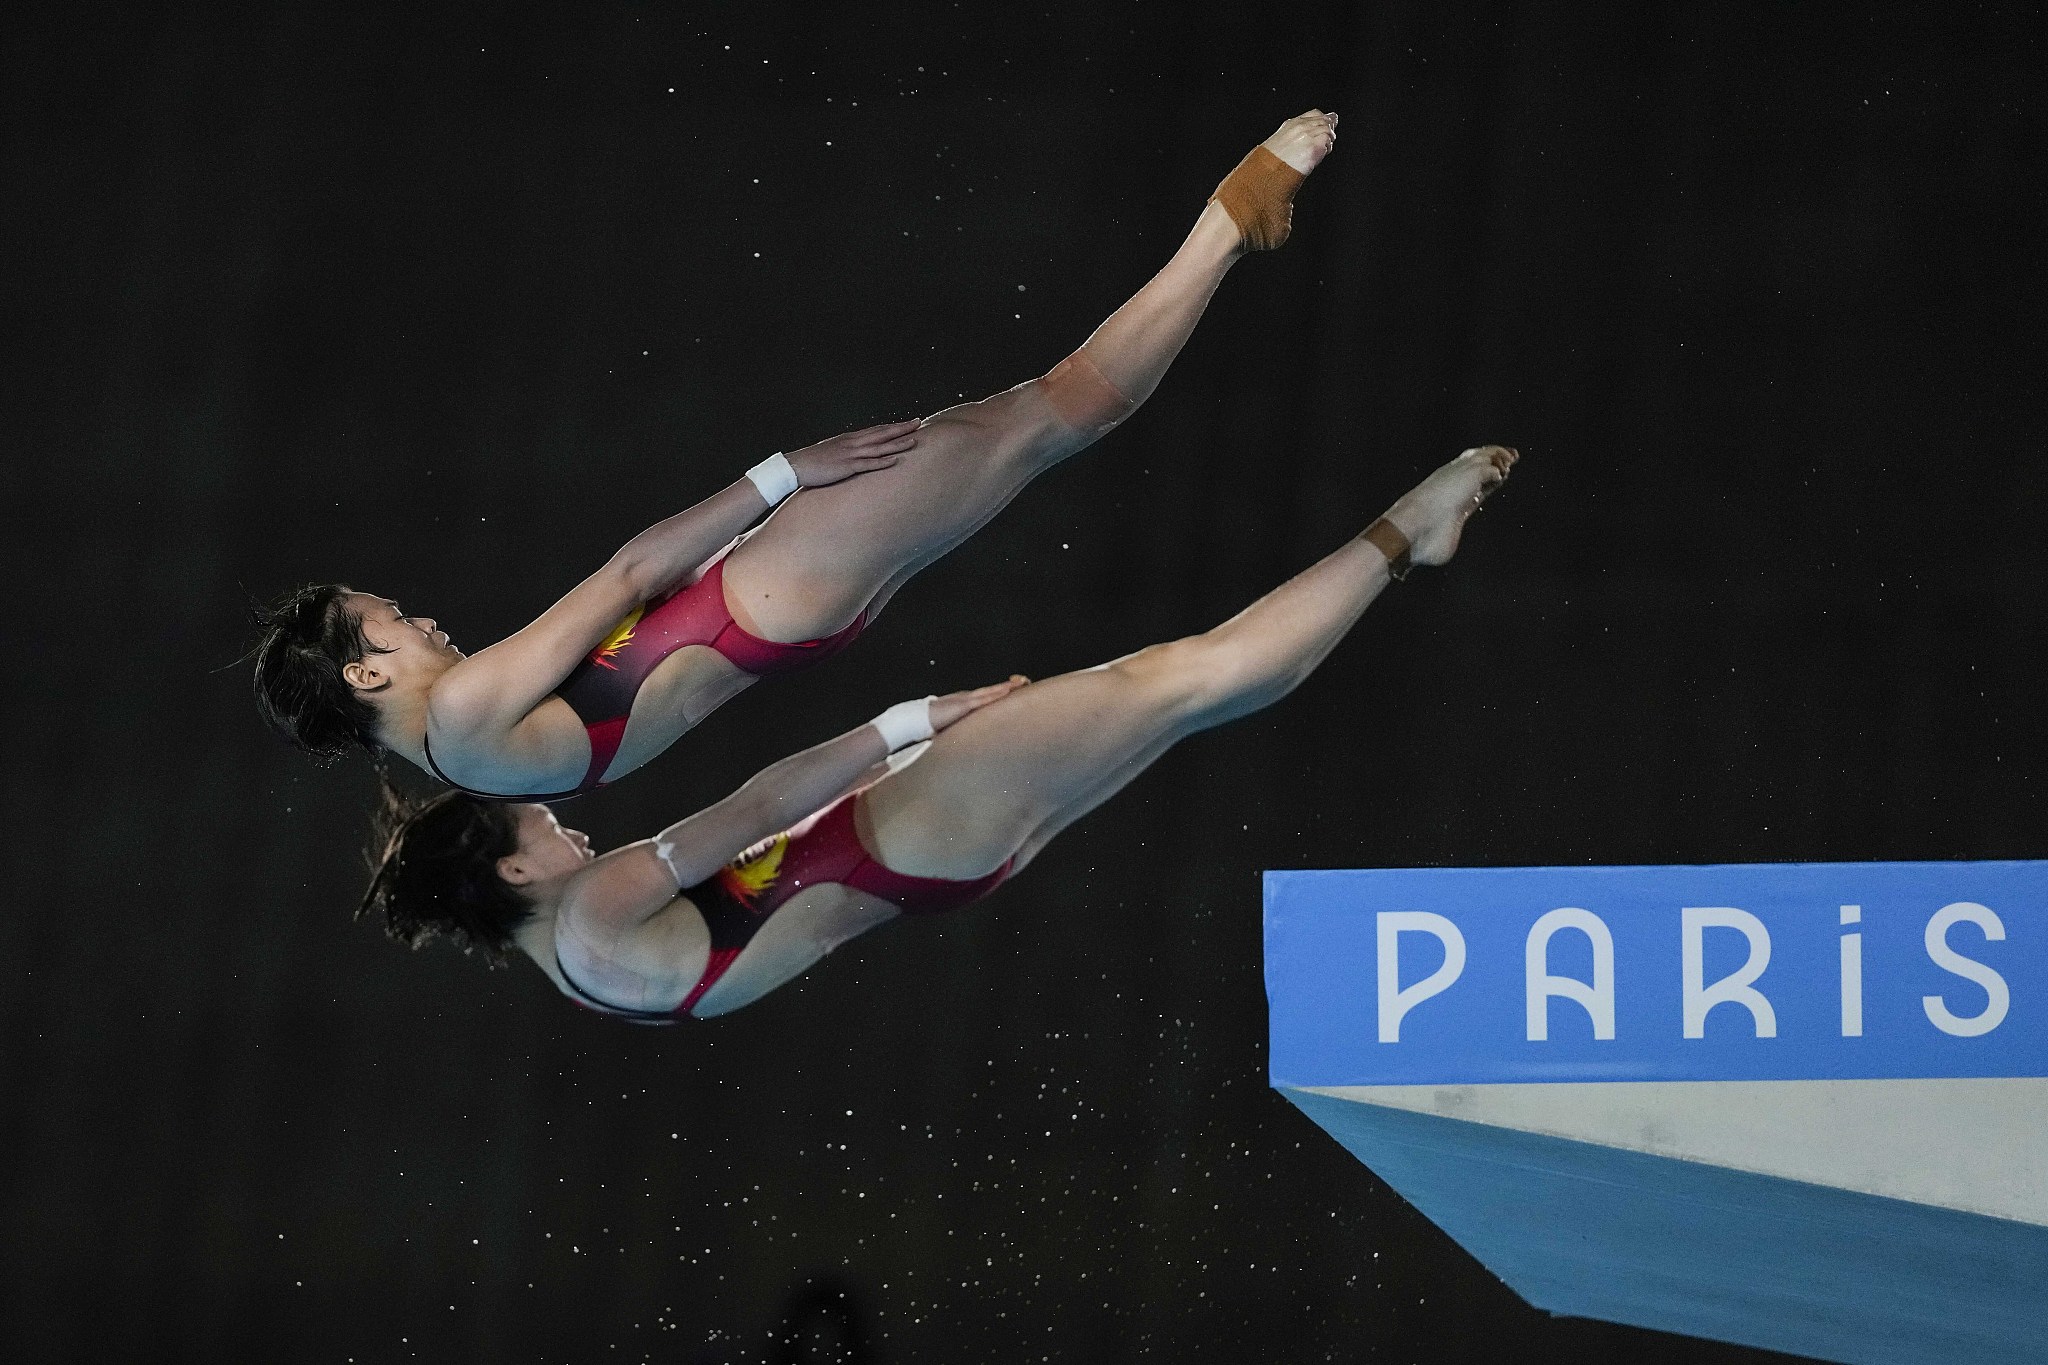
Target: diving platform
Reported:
point(1792, 1106)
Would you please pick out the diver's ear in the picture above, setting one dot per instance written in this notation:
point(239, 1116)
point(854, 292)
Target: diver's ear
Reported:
point(365, 676)
point(512, 871)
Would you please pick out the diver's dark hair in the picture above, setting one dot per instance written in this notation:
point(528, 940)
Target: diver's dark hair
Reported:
point(434, 872)
point(308, 637)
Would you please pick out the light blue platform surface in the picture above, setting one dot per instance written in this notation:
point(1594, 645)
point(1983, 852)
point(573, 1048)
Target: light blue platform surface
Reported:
point(1682, 1246)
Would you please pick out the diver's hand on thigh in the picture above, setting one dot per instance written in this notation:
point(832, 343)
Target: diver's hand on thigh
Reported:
point(856, 452)
point(952, 707)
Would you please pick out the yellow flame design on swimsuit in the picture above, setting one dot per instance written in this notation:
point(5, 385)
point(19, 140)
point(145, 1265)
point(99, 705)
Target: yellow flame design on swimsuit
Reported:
point(616, 641)
point(754, 871)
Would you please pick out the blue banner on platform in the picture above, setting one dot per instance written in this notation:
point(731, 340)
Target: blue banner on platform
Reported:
point(1795, 971)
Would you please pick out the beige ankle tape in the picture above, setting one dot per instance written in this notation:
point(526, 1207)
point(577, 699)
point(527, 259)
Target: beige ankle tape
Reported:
point(1083, 399)
point(1259, 197)
point(1390, 541)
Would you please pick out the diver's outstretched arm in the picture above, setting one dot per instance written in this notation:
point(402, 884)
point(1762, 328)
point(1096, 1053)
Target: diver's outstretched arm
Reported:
point(632, 884)
point(499, 686)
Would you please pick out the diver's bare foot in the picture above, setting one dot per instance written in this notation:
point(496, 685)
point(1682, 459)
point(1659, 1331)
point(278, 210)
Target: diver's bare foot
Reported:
point(1432, 514)
point(1304, 140)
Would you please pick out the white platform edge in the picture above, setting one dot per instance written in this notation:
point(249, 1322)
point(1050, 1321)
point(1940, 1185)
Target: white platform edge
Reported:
point(1978, 1146)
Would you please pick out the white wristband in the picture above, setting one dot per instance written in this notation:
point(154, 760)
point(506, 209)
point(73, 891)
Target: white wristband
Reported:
point(666, 851)
point(773, 478)
point(905, 723)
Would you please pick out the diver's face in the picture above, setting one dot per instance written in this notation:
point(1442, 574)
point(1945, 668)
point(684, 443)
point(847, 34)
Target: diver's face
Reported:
point(547, 847)
point(412, 646)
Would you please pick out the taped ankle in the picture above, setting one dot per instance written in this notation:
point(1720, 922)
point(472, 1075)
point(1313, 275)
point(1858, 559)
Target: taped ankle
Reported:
point(1259, 197)
point(1391, 541)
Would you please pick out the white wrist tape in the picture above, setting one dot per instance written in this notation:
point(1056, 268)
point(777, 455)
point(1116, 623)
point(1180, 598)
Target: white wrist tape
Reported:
point(907, 722)
point(773, 478)
point(666, 851)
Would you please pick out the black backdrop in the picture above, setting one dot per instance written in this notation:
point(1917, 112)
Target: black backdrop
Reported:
point(448, 303)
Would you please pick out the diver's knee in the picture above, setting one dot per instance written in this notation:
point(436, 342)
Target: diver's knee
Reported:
point(1173, 677)
point(1082, 398)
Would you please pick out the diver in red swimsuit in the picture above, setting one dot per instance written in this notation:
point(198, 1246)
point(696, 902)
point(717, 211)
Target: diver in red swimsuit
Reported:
point(674, 626)
point(601, 689)
point(721, 908)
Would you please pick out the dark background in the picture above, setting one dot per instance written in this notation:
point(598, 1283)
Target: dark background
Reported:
point(449, 303)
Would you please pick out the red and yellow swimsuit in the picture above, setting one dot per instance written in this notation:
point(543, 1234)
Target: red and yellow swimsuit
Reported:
point(602, 688)
point(739, 899)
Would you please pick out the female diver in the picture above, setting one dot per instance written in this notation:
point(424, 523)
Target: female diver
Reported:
point(685, 616)
point(719, 909)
